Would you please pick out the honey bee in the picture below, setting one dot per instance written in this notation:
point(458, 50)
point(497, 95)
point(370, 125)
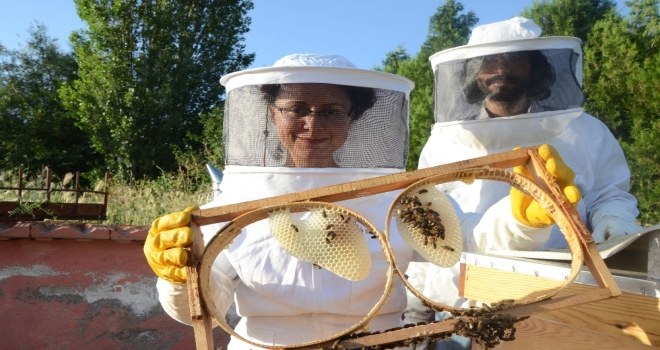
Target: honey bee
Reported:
point(446, 247)
point(441, 232)
point(342, 217)
point(329, 226)
point(331, 235)
point(316, 266)
point(347, 220)
point(327, 240)
point(324, 214)
point(422, 191)
point(428, 204)
point(294, 227)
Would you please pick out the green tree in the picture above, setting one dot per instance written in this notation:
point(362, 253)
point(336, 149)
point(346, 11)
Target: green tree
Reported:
point(394, 59)
point(148, 69)
point(611, 57)
point(37, 131)
point(192, 161)
point(622, 83)
point(418, 69)
point(568, 17)
point(448, 28)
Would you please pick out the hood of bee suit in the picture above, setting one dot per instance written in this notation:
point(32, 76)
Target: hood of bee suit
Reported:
point(549, 88)
point(255, 155)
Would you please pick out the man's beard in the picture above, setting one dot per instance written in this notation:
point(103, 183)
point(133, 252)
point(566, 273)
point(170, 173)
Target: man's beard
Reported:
point(505, 93)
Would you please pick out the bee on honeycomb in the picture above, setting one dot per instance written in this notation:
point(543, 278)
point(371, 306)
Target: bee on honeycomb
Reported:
point(426, 220)
point(328, 237)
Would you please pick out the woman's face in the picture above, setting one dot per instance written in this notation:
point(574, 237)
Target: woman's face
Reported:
point(312, 122)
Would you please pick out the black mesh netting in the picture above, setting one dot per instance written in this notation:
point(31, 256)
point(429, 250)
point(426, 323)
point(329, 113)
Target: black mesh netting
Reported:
point(315, 125)
point(507, 84)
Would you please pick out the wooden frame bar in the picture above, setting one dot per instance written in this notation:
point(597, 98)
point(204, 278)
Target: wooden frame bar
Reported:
point(201, 319)
point(360, 188)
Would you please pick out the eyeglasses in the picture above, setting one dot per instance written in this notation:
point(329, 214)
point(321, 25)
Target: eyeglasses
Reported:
point(328, 115)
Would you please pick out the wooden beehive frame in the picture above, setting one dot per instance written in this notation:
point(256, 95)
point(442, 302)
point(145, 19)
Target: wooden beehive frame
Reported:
point(529, 156)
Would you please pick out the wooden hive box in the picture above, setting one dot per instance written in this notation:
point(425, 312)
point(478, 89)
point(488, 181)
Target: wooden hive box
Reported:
point(629, 321)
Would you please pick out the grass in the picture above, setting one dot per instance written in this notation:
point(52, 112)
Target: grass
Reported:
point(130, 202)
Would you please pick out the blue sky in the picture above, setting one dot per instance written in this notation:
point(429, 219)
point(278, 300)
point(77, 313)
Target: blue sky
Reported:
point(361, 30)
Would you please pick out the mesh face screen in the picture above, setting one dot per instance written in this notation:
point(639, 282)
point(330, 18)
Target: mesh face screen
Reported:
point(506, 84)
point(314, 125)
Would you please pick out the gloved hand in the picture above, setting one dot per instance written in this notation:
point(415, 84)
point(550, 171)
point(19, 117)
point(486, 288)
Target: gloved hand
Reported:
point(611, 226)
point(528, 211)
point(164, 245)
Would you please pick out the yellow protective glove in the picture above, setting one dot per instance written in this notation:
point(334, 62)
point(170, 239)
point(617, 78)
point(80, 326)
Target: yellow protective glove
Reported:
point(164, 245)
point(528, 211)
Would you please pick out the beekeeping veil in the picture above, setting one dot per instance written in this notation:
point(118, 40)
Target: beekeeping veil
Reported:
point(507, 62)
point(361, 115)
point(310, 121)
point(507, 87)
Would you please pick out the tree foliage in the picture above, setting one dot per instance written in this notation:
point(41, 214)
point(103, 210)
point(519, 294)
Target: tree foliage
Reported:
point(568, 17)
point(147, 70)
point(448, 28)
point(621, 79)
point(622, 83)
point(37, 131)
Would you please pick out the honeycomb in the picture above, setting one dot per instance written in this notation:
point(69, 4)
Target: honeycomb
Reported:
point(328, 238)
point(428, 223)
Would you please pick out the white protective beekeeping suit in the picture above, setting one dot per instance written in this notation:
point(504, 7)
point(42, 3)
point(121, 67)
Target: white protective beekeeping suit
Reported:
point(283, 300)
point(549, 112)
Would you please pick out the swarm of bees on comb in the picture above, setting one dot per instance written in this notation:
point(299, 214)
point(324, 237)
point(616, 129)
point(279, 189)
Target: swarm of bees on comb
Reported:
point(487, 327)
point(327, 238)
point(427, 221)
point(422, 216)
point(483, 324)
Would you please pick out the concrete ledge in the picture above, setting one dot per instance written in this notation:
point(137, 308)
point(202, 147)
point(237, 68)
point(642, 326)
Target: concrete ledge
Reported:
point(14, 230)
point(128, 233)
point(41, 230)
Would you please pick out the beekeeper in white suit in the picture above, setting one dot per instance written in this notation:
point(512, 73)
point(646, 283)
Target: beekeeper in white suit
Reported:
point(509, 87)
point(307, 122)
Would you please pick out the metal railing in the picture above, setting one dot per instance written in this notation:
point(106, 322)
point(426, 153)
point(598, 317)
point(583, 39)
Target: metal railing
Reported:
point(21, 210)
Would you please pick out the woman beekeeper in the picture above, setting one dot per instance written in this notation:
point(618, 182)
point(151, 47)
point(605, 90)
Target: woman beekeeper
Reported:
point(309, 121)
point(509, 87)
